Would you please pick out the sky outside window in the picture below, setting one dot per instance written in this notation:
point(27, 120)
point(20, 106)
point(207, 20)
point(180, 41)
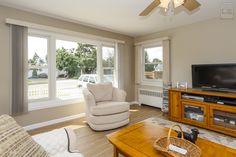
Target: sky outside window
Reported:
point(155, 52)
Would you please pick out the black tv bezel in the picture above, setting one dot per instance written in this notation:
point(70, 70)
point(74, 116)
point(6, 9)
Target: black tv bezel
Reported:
point(207, 87)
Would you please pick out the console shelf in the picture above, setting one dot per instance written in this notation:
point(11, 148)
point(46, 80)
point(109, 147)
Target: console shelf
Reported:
point(204, 109)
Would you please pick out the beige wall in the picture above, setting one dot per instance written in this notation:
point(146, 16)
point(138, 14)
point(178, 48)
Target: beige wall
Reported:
point(53, 113)
point(212, 41)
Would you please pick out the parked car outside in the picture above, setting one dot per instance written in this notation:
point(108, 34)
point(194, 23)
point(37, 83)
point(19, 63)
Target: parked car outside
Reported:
point(87, 78)
point(43, 75)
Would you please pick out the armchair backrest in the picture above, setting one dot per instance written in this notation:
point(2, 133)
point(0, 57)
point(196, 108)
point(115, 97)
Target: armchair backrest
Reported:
point(101, 91)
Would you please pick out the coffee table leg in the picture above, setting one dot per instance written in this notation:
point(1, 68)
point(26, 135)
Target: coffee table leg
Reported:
point(116, 154)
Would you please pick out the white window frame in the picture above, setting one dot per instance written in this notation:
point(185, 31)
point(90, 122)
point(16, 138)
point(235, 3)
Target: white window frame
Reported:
point(145, 81)
point(52, 100)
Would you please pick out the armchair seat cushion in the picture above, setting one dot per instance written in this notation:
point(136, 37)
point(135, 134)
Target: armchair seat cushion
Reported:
point(109, 107)
point(108, 119)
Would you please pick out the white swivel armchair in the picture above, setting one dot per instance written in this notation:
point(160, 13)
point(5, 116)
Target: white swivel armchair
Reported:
point(105, 106)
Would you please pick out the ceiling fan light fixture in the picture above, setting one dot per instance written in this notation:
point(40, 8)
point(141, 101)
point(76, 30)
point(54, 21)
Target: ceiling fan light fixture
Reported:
point(165, 4)
point(175, 3)
point(170, 5)
point(178, 3)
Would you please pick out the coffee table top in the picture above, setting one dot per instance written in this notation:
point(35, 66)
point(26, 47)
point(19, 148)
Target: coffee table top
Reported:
point(138, 139)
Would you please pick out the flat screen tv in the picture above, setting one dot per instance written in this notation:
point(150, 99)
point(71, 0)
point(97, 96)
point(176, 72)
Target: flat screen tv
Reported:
point(218, 77)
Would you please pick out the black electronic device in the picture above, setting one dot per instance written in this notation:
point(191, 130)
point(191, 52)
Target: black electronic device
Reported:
point(192, 137)
point(211, 99)
point(227, 102)
point(217, 77)
point(220, 100)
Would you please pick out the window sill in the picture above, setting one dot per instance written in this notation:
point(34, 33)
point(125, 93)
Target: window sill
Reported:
point(152, 83)
point(52, 103)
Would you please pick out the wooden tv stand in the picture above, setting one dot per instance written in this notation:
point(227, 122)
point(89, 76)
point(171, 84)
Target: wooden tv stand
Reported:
point(204, 109)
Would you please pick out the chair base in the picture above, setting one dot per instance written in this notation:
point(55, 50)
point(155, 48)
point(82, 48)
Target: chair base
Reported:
point(103, 127)
point(107, 119)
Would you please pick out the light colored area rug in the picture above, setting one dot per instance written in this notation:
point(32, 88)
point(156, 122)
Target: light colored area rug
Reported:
point(205, 134)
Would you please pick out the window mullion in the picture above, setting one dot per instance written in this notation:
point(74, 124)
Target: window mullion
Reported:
point(116, 67)
point(52, 68)
point(99, 63)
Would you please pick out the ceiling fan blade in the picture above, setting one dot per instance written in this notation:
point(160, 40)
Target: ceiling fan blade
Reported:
point(191, 4)
point(152, 6)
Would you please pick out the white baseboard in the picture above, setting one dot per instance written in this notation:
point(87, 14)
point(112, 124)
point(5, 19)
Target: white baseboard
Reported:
point(63, 119)
point(54, 121)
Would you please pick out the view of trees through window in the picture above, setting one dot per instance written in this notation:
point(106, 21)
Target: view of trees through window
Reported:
point(108, 57)
point(75, 66)
point(153, 60)
point(38, 68)
point(73, 60)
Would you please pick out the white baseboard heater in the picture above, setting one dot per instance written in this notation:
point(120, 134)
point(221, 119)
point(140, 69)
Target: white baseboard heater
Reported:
point(150, 97)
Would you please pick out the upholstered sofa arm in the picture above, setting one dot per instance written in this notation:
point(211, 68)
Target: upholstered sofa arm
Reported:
point(89, 98)
point(15, 141)
point(118, 94)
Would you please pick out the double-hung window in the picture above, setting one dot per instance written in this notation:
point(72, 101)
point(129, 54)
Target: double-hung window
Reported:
point(152, 67)
point(60, 66)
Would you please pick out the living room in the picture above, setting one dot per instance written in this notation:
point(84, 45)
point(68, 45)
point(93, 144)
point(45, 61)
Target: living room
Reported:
point(203, 36)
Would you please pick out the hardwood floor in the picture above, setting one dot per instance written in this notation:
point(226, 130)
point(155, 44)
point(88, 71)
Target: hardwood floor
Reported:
point(93, 143)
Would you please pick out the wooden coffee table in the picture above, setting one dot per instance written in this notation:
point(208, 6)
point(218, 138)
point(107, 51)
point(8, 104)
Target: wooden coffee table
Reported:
point(137, 141)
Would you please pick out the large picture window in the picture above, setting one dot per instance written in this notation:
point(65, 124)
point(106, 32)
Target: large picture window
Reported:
point(74, 60)
point(59, 67)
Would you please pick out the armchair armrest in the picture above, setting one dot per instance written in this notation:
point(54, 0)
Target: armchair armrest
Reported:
point(118, 94)
point(89, 98)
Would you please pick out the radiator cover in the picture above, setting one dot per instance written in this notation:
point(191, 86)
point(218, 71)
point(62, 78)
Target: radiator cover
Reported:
point(150, 97)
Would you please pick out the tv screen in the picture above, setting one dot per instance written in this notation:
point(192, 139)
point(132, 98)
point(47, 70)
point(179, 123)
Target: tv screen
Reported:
point(214, 76)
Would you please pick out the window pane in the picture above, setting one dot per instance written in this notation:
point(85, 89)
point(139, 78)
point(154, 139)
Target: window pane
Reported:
point(108, 58)
point(108, 75)
point(153, 63)
point(74, 61)
point(108, 54)
point(37, 68)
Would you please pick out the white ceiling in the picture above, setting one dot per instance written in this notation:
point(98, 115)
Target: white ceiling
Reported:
point(117, 15)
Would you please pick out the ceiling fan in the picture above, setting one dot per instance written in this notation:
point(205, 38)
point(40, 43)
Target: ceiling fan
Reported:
point(188, 4)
